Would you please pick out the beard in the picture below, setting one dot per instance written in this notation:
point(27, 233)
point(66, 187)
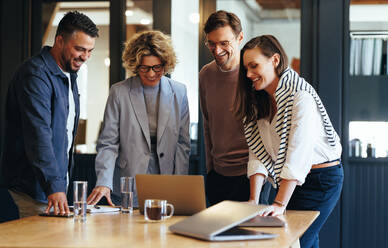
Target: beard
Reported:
point(220, 63)
point(68, 67)
point(67, 63)
point(224, 61)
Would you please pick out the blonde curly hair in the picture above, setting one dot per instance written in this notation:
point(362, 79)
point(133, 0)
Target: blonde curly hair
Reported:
point(145, 44)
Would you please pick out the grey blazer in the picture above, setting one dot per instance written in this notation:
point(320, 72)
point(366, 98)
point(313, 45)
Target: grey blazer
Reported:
point(123, 147)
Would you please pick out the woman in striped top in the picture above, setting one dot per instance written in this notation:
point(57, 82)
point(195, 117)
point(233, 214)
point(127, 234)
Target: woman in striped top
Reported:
point(291, 140)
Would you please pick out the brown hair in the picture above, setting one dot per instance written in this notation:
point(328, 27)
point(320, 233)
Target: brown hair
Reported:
point(254, 104)
point(223, 18)
point(145, 44)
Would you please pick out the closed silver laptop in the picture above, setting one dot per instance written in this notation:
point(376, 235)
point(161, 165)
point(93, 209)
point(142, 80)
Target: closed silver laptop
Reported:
point(218, 223)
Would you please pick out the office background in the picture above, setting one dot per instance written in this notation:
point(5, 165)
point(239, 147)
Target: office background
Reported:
point(315, 32)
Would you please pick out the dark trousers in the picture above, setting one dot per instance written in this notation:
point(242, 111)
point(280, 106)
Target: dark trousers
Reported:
point(8, 209)
point(321, 191)
point(235, 188)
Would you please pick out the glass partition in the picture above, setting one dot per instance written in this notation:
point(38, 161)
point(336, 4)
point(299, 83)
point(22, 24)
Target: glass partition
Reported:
point(93, 77)
point(278, 18)
point(184, 35)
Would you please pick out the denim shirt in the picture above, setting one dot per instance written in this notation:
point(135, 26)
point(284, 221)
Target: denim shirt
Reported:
point(35, 159)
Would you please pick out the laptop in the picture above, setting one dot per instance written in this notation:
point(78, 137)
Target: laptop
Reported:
point(185, 192)
point(219, 223)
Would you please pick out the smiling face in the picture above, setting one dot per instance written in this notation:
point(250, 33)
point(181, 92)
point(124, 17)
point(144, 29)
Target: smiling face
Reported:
point(224, 46)
point(261, 70)
point(74, 50)
point(150, 78)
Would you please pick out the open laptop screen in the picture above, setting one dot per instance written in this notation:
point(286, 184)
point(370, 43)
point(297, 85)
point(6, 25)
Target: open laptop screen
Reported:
point(185, 192)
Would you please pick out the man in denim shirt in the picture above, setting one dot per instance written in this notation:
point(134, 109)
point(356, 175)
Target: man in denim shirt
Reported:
point(42, 112)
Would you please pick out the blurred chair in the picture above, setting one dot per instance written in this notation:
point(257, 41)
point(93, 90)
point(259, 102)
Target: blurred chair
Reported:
point(8, 209)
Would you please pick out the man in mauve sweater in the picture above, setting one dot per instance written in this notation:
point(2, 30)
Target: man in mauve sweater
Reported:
point(226, 147)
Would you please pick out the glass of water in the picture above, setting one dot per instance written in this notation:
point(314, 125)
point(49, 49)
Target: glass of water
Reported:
point(126, 186)
point(79, 200)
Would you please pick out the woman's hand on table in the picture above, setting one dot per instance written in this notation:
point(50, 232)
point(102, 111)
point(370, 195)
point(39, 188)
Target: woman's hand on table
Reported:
point(276, 210)
point(253, 202)
point(97, 193)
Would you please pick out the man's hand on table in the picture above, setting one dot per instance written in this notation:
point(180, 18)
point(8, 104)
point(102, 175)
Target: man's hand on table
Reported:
point(58, 201)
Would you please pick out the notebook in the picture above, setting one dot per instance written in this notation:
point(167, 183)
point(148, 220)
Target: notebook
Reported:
point(98, 209)
point(185, 192)
point(219, 223)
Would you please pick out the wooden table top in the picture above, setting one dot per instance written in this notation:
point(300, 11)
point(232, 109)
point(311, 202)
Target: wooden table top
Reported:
point(126, 230)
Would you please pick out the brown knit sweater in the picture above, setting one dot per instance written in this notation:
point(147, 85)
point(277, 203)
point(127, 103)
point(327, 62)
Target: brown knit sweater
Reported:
point(226, 147)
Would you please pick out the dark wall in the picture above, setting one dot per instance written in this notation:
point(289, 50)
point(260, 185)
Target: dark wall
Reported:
point(322, 52)
point(322, 64)
point(117, 37)
point(1, 86)
point(14, 47)
point(365, 204)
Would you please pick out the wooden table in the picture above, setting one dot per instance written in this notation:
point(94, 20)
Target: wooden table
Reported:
point(126, 230)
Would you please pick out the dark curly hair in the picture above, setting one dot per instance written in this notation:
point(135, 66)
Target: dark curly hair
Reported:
point(75, 21)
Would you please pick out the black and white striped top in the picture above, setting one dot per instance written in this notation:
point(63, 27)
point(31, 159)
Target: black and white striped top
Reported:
point(289, 84)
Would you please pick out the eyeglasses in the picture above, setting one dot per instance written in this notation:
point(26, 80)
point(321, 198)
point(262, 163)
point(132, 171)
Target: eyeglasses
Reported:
point(155, 68)
point(223, 44)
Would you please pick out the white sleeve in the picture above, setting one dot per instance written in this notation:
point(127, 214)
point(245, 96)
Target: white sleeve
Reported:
point(255, 166)
point(304, 123)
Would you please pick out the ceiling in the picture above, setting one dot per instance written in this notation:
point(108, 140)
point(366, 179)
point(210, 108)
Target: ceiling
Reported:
point(279, 4)
point(139, 11)
point(142, 9)
point(295, 4)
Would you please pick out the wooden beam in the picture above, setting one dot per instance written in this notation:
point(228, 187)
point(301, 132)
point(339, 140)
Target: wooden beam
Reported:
point(50, 9)
point(279, 4)
point(161, 22)
point(368, 2)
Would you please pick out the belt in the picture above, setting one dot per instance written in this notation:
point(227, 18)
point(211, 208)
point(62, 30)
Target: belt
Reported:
point(326, 164)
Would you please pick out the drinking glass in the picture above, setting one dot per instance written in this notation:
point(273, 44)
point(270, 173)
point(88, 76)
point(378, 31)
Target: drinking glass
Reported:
point(126, 186)
point(79, 200)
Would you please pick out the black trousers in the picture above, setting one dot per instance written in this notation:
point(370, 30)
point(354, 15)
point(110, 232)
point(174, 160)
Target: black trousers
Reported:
point(235, 188)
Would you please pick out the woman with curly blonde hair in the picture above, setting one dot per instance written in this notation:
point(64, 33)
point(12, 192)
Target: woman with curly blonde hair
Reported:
point(146, 120)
